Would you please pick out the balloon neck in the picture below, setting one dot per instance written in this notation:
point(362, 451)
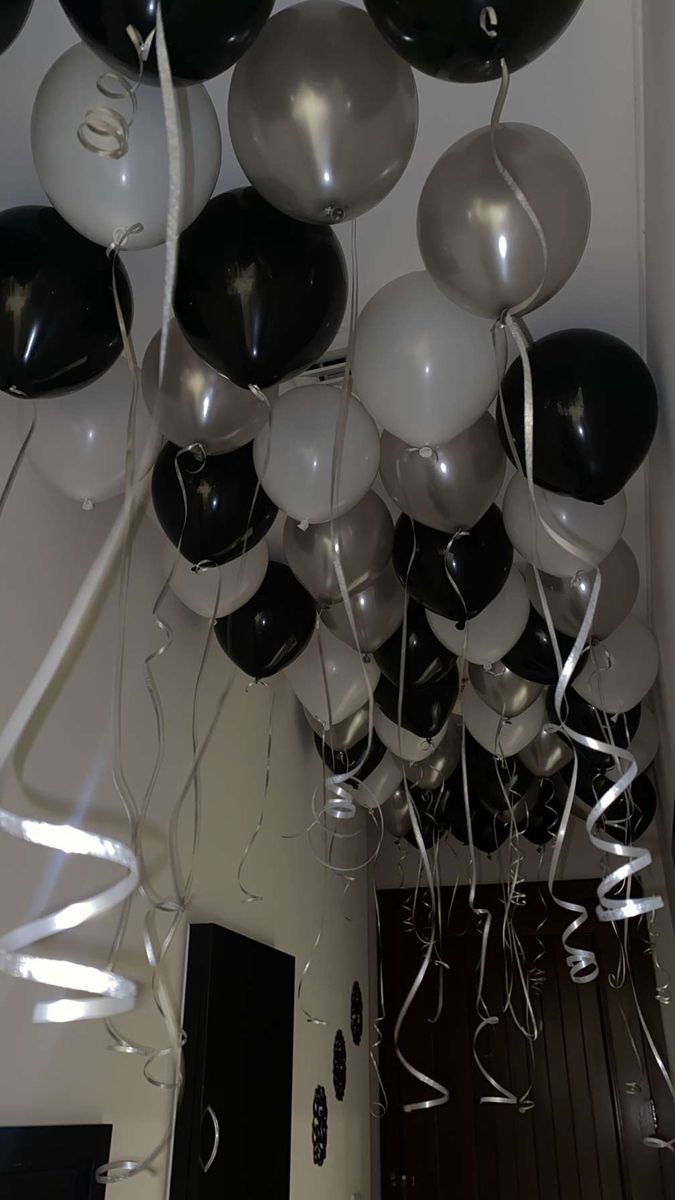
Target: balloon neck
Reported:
point(87, 505)
point(335, 213)
point(427, 452)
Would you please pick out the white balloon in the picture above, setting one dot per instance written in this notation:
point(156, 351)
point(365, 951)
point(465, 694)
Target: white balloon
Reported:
point(293, 456)
point(499, 737)
point(620, 670)
point(422, 367)
point(79, 443)
point(592, 528)
point(239, 580)
point(98, 194)
point(644, 745)
point(495, 631)
point(379, 785)
point(346, 677)
point(407, 746)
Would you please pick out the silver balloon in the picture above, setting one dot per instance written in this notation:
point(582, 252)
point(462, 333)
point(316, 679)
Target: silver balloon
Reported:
point(439, 766)
point(451, 486)
point(477, 241)
point(396, 814)
point(363, 538)
point(344, 735)
point(546, 754)
point(377, 612)
point(502, 690)
point(322, 114)
point(567, 599)
point(196, 403)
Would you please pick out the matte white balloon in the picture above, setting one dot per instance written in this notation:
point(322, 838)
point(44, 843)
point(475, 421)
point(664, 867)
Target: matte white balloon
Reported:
point(79, 443)
point(98, 194)
point(407, 746)
point(379, 785)
point(239, 581)
point(501, 737)
point(620, 670)
point(293, 455)
point(593, 529)
point(346, 673)
point(495, 631)
point(423, 368)
point(433, 771)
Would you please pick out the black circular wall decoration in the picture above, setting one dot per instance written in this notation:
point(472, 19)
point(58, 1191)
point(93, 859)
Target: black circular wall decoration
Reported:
point(357, 1014)
point(340, 1065)
point(320, 1126)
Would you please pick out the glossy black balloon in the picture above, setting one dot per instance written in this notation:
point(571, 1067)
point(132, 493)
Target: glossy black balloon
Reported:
point(13, 14)
point(425, 709)
point(426, 659)
point(58, 325)
point(259, 295)
point(343, 762)
point(628, 818)
point(268, 632)
point(544, 817)
point(445, 38)
point(478, 562)
point(433, 814)
point(595, 413)
point(203, 37)
point(533, 657)
point(583, 718)
point(488, 830)
point(219, 490)
point(488, 778)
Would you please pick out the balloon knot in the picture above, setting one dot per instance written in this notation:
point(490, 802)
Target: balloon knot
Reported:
point(489, 21)
point(88, 505)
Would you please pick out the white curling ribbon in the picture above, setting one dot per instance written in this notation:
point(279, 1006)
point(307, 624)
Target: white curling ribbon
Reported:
point(105, 130)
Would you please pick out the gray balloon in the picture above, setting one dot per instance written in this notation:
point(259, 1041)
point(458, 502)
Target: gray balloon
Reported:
point(502, 690)
point(364, 538)
point(547, 754)
point(346, 733)
point(567, 599)
point(439, 766)
point(450, 486)
point(196, 403)
point(377, 613)
point(477, 241)
point(396, 814)
point(322, 114)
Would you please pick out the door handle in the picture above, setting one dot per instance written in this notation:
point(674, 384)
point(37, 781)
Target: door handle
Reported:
point(206, 1166)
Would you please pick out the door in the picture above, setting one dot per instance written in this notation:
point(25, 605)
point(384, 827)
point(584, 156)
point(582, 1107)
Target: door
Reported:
point(596, 1092)
point(53, 1162)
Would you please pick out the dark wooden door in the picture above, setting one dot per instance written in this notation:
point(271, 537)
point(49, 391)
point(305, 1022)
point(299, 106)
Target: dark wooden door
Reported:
point(596, 1092)
point(53, 1162)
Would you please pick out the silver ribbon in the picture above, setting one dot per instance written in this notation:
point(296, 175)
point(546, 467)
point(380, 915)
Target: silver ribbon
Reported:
point(105, 130)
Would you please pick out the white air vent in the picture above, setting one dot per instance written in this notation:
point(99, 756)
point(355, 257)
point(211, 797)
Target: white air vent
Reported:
point(330, 369)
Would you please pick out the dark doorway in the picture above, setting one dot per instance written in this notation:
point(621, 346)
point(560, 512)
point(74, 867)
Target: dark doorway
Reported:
point(596, 1090)
point(53, 1162)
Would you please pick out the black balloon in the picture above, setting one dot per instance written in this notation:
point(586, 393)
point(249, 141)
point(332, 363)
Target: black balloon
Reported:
point(595, 413)
point(268, 632)
point(532, 657)
point(343, 762)
point(583, 718)
point(215, 522)
point(545, 815)
point(426, 660)
point(13, 14)
point(488, 830)
point(432, 809)
point(478, 563)
point(259, 295)
point(203, 37)
point(58, 324)
point(425, 708)
point(628, 818)
point(451, 38)
point(488, 779)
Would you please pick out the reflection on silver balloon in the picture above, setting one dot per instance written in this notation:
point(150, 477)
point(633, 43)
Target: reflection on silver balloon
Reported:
point(568, 599)
point(431, 772)
point(502, 690)
point(322, 114)
point(196, 403)
point(396, 814)
point(450, 487)
point(344, 735)
point(377, 612)
point(546, 754)
point(363, 538)
point(478, 242)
